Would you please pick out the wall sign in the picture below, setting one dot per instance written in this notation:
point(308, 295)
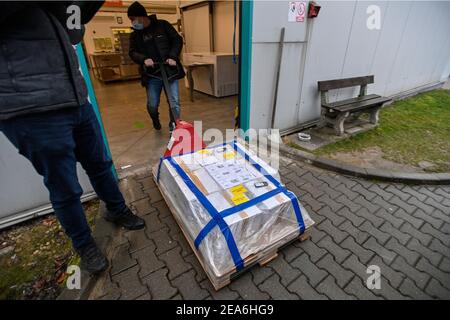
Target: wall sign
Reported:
point(297, 10)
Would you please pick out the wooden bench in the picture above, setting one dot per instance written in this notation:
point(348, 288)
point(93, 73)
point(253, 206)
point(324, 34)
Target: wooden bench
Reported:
point(337, 112)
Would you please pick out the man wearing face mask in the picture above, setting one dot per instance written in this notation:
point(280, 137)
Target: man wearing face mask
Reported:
point(154, 41)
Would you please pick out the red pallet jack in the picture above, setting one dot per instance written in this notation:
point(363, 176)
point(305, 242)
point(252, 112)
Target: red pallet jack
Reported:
point(183, 139)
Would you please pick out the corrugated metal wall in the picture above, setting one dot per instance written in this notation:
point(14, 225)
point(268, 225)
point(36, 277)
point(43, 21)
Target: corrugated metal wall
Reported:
point(410, 50)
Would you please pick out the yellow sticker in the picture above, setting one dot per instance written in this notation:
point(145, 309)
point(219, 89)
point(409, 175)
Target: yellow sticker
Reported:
point(229, 155)
point(204, 151)
point(239, 198)
point(238, 189)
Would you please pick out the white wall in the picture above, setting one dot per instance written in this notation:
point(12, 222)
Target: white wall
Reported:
point(411, 49)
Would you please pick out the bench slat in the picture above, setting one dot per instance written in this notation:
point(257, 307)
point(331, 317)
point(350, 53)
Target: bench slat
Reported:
point(344, 83)
point(361, 105)
point(352, 100)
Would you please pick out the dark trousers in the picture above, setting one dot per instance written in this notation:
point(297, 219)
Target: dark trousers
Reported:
point(54, 142)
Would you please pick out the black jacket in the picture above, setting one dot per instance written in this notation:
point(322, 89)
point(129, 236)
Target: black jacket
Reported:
point(158, 42)
point(39, 68)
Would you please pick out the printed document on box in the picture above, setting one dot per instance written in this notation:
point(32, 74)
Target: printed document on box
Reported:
point(229, 173)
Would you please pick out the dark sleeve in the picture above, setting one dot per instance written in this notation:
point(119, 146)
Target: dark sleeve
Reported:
point(10, 8)
point(88, 9)
point(176, 41)
point(135, 53)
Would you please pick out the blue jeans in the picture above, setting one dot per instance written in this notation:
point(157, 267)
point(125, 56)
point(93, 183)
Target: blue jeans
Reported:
point(54, 142)
point(154, 88)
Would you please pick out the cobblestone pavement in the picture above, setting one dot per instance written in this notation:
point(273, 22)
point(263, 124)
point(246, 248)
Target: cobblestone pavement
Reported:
point(405, 230)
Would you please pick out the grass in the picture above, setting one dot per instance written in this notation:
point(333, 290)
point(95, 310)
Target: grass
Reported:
point(35, 269)
point(412, 130)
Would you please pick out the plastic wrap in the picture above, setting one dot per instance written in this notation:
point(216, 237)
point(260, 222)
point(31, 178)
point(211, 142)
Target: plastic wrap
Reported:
point(227, 179)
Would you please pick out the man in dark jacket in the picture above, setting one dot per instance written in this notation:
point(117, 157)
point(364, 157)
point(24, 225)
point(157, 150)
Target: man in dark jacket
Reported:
point(45, 113)
point(154, 41)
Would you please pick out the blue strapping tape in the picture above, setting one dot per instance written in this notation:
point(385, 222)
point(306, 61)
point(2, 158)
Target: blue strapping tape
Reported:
point(294, 200)
point(237, 259)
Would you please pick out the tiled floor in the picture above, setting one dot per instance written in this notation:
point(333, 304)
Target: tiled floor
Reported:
point(132, 139)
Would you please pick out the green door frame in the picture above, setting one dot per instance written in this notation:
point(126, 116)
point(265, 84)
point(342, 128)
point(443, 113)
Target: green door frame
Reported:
point(245, 66)
point(93, 99)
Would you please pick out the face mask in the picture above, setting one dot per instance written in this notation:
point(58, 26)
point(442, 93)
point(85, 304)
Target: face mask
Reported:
point(138, 25)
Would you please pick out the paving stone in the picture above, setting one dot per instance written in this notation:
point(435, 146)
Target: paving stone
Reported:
point(330, 214)
point(163, 210)
point(188, 287)
point(174, 262)
point(342, 275)
point(142, 207)
point(420, 278)
point(338, 253)
point(366, 193)
point(354, 265)
point(348, 215)
point(147, 260)
point(410, 256)
point(159, 286)
point(162, 240)
point(445, 265)
point(382, 237)
point(427, 217)
point(121, 260)
point(429, 269)
point(369, 216)
point(387, 255)
point(332, 290)
point(223, 294)
point(387, 292)
point(395, 190)
point(388, 215)
point(152, 222)
point(337, 234)
point(418, 195)
point(291, 252)
point(330, 180)
point(401, 237)
point(433, 256)
point(131, 190)
point(424, 239)
point(312, 202)
point(346, 190)
point(145, 296)
point(394, 277)
point(317, 235)
point(440, 210)
point(359, 236)
point(129, 284)
point(381, 192)
point(309, 269)
point(247, 288)
point(363, 254)
point(154, 194)
point(415, 222)
point(304, 290)
point(284, 270)
point(428, 229)
point(365, 204)
point(200, 274)
point(334, 206)
point(437, 246)
point(276, 290)
point(261, 273)
point(147, 183)
point(314, 252)
point(183, 244)
point(137, 240)
point(408, 288)
point(437, 291)
point(359, 289)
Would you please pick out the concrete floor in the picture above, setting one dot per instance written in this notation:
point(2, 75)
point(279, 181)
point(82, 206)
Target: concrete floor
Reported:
point(133, 142)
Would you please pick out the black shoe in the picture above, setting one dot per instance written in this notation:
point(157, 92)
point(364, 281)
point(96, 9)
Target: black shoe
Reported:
point(126, 219)
point(92, 259)
point(171, 126)
point(156, 123)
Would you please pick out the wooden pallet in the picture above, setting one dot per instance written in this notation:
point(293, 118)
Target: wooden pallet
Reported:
point(261, 258)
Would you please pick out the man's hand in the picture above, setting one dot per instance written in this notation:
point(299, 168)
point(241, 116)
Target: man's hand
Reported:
point(171, 62)
point(149, 63)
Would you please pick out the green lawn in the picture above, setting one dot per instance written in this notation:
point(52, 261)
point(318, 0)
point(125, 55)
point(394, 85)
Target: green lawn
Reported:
point(412, 130)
